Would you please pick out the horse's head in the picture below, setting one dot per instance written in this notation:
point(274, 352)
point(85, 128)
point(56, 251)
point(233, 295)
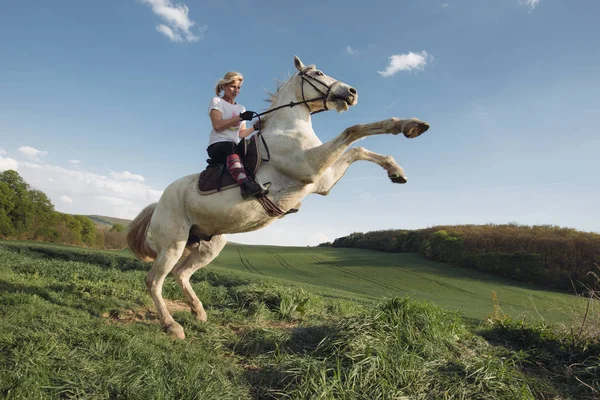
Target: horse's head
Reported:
point(322, 92)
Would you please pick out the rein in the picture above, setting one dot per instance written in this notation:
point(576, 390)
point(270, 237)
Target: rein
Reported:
point(306, 78)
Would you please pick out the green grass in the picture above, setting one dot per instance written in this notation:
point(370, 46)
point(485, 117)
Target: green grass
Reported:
point(55, 341)
point(375, 275)
point(77, 323)
point(368, 276)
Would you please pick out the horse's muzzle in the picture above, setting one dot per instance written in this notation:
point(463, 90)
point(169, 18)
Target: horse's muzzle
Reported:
point(343, 96)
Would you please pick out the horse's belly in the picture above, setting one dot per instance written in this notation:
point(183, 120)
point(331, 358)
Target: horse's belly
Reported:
point(224, 213)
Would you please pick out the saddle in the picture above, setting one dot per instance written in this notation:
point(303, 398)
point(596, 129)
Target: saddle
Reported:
point(216, 178)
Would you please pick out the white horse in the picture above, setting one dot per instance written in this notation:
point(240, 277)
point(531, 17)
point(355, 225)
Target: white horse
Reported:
point(299, 165)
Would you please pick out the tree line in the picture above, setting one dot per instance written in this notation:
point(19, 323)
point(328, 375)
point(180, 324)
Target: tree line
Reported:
point(28, 214)
point(546, 255)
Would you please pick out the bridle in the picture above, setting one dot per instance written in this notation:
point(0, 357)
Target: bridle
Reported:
point(305, 78)
point(325, 94)
point(325, 91)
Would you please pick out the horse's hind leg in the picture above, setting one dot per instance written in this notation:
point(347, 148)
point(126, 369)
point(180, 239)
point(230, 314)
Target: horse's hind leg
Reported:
point(199, 256)
point(165, 261)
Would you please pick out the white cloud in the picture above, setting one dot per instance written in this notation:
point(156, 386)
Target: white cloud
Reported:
point(532, 4)
point(178, 25)
point(94, 194)
point(168, 32)
point(405, 62)
point(445, 5)
point(75, 162)
point(351, 51)
point(66, 199)
point(127, 176)
point(2, 152)
point(31, 152)
point(8, 163)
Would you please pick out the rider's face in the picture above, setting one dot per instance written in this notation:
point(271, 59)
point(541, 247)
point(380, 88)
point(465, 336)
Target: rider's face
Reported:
point(232, 89)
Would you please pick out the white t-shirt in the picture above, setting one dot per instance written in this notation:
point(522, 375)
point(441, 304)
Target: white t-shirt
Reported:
point(228, 111)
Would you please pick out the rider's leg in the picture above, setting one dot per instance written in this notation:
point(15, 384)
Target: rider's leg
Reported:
point(225, 152)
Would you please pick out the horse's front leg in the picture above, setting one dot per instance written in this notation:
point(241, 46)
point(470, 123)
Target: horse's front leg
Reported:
point(319, 159)
point(339, 168)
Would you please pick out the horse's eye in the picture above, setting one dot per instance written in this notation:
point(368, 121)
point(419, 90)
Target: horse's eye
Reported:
point(319, 73)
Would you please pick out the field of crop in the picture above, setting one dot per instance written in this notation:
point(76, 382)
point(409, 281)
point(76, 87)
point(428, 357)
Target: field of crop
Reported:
point(376, 275)
point(296, 323)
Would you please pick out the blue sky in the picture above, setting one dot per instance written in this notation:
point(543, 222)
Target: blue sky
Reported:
point(103, 104)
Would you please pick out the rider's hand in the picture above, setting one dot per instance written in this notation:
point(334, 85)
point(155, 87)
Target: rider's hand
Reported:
point(247, 115)
point(257, 126)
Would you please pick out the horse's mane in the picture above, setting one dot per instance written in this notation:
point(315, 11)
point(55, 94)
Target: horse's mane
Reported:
point(280, 84)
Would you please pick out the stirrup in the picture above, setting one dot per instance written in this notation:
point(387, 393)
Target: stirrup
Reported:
point(251, 189)
point(265, 187)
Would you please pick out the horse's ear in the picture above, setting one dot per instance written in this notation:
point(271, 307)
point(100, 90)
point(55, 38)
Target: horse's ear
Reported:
point(298, 63)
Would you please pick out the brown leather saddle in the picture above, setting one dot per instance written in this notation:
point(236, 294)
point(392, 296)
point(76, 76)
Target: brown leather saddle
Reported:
point(216, 178)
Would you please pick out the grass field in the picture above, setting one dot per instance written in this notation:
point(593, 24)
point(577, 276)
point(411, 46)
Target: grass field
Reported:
point(286, 323)
point(376, 275)
point(370, 276)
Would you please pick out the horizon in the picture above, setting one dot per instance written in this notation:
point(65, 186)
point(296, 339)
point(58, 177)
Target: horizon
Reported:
point(105, 104)
point(393, 229)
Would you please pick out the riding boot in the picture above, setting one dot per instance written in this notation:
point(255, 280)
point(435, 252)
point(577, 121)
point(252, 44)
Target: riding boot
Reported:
point(236, 169)
point(250, 189)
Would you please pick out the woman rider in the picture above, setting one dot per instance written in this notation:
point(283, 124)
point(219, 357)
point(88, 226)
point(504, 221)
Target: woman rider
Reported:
point(228, 127)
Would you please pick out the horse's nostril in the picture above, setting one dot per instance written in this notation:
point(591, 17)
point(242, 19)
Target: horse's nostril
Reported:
point(352, 90)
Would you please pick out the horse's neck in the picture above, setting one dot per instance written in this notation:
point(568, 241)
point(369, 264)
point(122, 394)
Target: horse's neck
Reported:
point(288, 132)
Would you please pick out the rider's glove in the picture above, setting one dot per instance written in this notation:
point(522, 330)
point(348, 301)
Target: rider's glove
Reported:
point(247, 115)
point(257, 126)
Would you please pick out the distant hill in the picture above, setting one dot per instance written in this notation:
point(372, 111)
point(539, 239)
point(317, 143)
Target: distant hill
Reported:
point(108, 221)
point(545, 255)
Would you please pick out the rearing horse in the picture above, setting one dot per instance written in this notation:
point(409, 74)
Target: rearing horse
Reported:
point(299, 165)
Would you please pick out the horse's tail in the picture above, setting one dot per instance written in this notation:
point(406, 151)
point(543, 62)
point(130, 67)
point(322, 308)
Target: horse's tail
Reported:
point(136, 234)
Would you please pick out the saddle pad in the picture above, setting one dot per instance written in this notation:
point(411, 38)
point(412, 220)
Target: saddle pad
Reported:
point(216, 178)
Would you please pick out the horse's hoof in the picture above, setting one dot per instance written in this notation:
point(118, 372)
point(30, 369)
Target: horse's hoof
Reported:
point(174, 330)
point(200, 317)
point(397, 178)
point(415, 128)
point(396, 174)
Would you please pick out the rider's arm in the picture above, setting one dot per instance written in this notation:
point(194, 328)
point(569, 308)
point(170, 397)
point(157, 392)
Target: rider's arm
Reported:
point(246, 132)
point(220, 124)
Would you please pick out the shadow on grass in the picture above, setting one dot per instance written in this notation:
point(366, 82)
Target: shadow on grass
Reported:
point(284, 350)
point(565, 361)
point(60, 295)
point(298, 341)
point(420, 266)
point(101, 259)
point(9, 287)
point(216, 279)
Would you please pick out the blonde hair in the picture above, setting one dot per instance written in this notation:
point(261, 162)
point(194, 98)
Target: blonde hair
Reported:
point(227, 79)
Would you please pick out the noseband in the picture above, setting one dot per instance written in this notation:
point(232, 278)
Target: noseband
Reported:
point(325, 93)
